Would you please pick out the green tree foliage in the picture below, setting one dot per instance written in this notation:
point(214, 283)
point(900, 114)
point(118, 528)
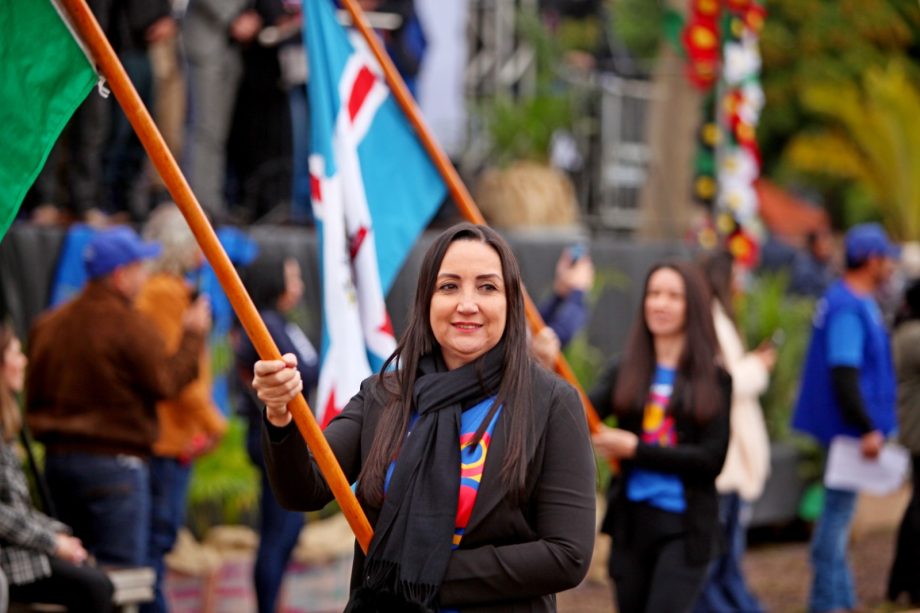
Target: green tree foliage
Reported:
point(827, 44)
point(638, 25)
point(872, 140)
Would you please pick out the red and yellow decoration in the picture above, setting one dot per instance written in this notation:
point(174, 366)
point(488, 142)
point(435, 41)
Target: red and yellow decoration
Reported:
point(720, 42)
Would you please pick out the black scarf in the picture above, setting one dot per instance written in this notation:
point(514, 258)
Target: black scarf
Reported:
point(408, 555)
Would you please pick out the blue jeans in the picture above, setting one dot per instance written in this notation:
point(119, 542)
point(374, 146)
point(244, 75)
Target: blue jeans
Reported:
point(726, 590)
point(832, 586)
point(106, 500)
point(279, 530)
point(169, 488)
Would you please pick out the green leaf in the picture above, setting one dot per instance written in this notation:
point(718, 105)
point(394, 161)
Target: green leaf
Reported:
point(673, 27)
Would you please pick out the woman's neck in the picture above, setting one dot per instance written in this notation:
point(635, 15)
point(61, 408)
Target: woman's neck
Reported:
point(668, 350)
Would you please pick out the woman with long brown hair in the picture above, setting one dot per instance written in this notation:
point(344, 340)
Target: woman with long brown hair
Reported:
point(671, 399)
point(472, 462)
point(38, 555)
point(747, 463)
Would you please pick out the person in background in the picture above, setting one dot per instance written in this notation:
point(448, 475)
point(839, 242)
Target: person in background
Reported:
point(97, 368)
point(292, 56)
point(811, 269)
point(489, 504)
point(905, 569)
point(406, 44)
point(747, 463)
point(98, 157)
point(847, 388)
point(672, 399)
point(214, 33)
point(565, 312)
point(39, 558)
point(136, 25)
point(275, 284)
point(170, 98)
point(260, 144)
point(189, 423)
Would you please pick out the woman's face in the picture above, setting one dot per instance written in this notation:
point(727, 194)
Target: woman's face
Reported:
point(468, 306)
point(14, 366)
point(293, 286)
point(665, 303)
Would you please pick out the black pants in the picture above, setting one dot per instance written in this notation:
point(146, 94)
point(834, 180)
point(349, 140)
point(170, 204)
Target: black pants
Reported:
point(651, 571)
point(905, 571)
point(82, 589)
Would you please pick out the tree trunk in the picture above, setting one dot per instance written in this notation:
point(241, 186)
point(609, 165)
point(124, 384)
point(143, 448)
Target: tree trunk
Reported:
point(666, 203)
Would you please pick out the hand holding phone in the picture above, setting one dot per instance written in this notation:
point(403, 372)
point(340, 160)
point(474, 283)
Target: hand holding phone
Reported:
point(574, 270)
point(777, 338)
point(767, 351)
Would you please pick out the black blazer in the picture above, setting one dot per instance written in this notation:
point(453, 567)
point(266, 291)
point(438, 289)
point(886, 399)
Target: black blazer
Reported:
point(513, 556)
point(697, 460)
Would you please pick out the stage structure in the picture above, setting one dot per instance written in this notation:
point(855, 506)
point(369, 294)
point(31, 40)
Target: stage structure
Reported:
point(500, 63)
point(614, 146)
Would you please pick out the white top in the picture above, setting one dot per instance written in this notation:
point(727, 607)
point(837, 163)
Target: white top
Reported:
point(747, 464)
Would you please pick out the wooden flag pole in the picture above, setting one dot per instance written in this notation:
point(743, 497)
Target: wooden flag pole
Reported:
point(85, 23)
point(455, 186)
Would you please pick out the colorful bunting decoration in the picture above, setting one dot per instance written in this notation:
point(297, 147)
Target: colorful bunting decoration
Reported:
point(720, 43)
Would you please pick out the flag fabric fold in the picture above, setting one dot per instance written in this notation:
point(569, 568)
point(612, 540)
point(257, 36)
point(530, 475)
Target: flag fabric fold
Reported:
point(373, 189)
point(44, 76)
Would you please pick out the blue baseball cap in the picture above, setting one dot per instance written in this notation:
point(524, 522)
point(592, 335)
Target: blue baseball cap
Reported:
point(865, 240)
point(114, 247)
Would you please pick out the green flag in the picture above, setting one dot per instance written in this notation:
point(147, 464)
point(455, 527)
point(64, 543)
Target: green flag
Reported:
point(44, 76)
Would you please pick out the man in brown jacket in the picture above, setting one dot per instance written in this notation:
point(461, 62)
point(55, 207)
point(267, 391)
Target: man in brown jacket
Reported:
point(97, 368)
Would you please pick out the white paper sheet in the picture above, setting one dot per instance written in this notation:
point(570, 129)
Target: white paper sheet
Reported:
point(847, 469)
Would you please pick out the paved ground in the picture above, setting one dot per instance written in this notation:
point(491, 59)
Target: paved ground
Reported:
point(779, 574)
point(777, 568)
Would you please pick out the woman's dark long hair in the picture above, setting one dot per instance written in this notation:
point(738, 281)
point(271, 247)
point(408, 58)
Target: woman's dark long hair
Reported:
point(910, 307)
point(264, 279)
point(718, 266)
point(10, 415)
point(697, 367)
point(418, 340)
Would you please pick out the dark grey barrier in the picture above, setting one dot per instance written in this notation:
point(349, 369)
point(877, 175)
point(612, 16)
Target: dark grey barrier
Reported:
point(28, 257)
point(621, 266)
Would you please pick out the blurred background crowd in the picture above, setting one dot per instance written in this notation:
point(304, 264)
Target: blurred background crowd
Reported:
point(599, 135)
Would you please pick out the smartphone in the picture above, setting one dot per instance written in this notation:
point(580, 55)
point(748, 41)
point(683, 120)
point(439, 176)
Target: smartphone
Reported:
point(777, 338)
point(576, 252)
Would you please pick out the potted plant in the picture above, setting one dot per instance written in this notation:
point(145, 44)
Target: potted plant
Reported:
point(795, 461)
point(520, 188)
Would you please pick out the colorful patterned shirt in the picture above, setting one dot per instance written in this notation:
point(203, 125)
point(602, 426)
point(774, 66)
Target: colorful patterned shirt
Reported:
point(662, 490)
point(472, 461)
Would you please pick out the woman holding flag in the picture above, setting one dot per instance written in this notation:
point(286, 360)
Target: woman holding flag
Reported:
point(671, 399)
point(489, 504)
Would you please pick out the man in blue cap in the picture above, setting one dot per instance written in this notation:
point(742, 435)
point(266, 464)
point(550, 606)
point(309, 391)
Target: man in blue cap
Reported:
point(847, 388)
point(97, 367)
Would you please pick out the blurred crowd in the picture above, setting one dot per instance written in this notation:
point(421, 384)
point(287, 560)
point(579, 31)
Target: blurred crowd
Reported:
point(118, 388)
point(226, 83)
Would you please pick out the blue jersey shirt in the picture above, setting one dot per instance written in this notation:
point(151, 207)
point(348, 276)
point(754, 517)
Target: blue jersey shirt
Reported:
point(848, 330)
point(662, 490)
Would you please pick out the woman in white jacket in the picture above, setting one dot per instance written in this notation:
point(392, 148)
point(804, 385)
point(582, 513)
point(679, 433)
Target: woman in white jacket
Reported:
point(747, 464)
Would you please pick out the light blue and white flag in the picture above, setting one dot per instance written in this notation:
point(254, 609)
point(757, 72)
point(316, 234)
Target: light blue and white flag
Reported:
point(373, 188)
